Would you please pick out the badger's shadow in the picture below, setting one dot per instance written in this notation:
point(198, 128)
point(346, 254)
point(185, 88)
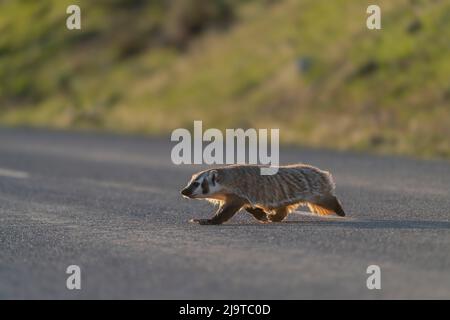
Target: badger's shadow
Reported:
point(354, 223)
point(377, 224)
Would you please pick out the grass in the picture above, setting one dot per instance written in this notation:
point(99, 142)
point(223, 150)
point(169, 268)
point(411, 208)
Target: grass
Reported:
point(385, 91)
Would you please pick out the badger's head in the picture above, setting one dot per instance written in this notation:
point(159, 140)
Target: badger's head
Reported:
point(203, 185)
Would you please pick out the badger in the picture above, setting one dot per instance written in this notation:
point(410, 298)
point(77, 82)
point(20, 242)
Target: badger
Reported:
point(268, 198)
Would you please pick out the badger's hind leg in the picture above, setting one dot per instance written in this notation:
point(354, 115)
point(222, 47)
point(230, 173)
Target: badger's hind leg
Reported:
point(279, 214)
point(258, 213)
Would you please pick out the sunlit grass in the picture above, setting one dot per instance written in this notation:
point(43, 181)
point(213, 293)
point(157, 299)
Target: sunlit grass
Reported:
point(386, 91)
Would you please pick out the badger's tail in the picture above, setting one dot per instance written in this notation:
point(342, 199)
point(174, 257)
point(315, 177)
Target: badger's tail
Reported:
point(326, 205)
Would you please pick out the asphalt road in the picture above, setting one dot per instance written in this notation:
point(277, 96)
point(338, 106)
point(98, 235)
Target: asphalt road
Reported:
point(111, 205)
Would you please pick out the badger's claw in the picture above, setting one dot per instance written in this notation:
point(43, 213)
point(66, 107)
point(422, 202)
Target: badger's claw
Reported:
point(202, 221)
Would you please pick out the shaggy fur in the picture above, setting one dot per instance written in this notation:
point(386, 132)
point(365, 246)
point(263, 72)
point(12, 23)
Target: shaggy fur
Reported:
point(292, 185)
point(269, 197)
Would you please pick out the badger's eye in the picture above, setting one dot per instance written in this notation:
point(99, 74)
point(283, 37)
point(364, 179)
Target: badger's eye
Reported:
point(196, 184)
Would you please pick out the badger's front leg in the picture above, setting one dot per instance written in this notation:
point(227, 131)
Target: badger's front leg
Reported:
point(258, 214)
point(225, 213)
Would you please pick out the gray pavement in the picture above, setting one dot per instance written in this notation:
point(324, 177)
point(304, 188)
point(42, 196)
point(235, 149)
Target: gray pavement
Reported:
point(111, 205)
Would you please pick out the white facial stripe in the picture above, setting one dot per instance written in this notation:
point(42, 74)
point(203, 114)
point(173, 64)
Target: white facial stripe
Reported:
point(198, 180)
point(211, 188)
point(214, 186)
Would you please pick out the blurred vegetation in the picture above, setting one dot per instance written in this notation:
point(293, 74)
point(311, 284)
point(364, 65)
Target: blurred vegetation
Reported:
point(308, 67)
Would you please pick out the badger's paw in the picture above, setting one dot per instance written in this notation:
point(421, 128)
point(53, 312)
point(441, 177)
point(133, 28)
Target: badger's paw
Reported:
point(203, 221)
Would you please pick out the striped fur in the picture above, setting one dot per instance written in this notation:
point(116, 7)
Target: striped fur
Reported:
point(291, 186)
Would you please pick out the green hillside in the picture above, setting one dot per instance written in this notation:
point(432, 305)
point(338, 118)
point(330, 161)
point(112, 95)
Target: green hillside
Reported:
point(308, 67)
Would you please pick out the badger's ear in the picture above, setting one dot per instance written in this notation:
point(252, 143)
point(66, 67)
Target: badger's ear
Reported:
point(214, 176)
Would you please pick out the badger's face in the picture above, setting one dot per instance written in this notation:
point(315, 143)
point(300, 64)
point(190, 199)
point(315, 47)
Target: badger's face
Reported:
point(202, 185)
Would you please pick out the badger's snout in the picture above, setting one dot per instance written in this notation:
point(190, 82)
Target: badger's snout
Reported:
point(187, 192)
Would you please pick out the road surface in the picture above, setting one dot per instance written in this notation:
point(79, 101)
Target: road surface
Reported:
point(111, 205)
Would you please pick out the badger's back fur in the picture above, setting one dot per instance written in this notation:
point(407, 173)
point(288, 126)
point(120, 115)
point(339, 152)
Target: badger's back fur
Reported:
point(291, 185)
